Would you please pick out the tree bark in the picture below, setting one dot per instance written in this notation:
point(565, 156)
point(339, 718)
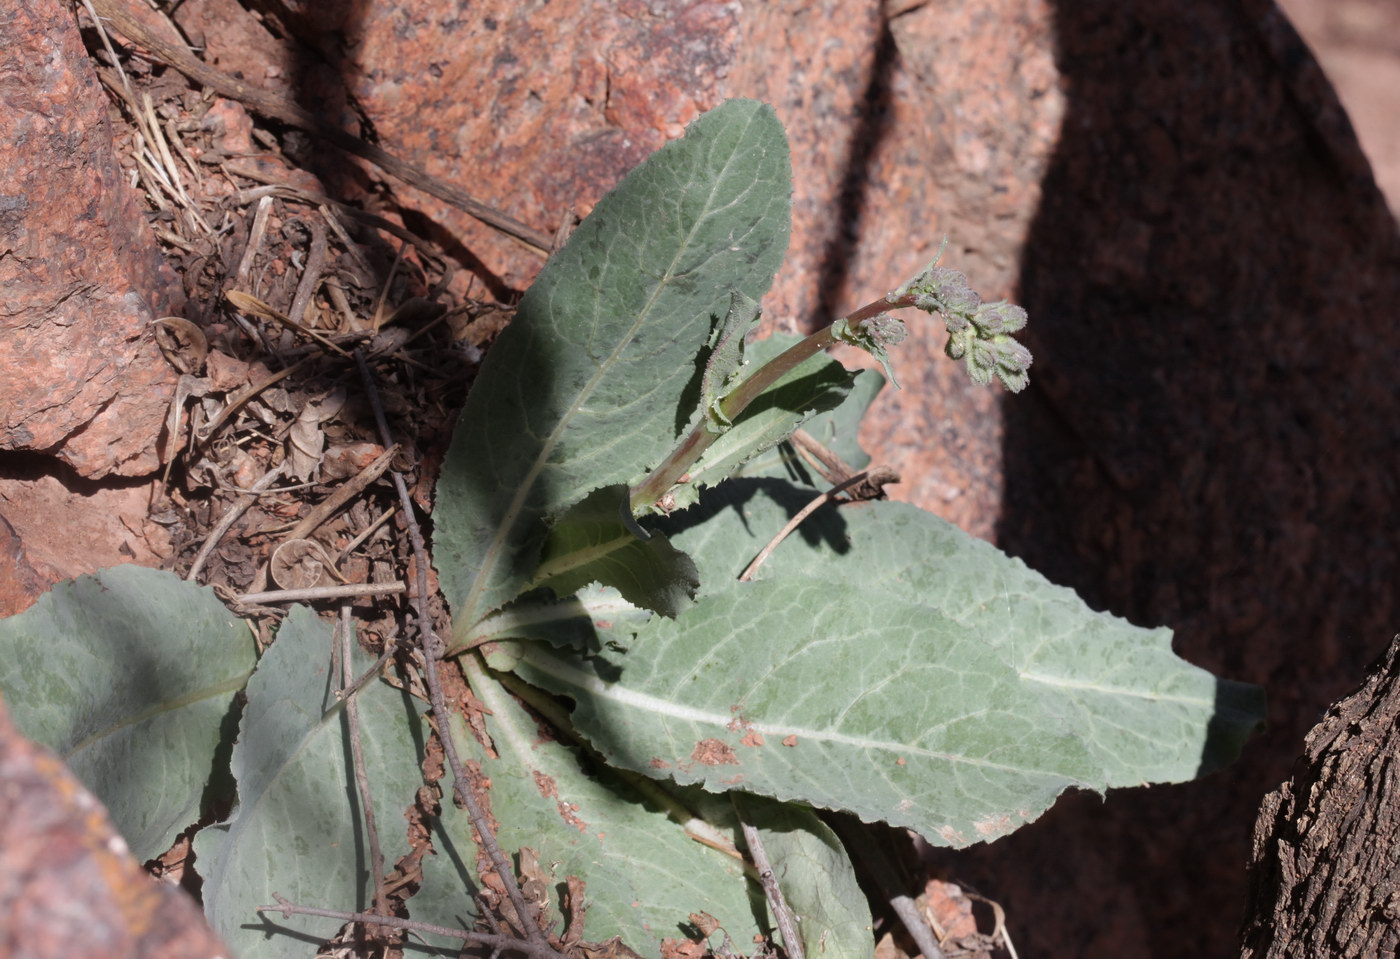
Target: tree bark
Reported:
point(1325, 868)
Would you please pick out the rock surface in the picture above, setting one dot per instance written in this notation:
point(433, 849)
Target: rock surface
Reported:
point(84, 380)
point(1173, 192)
point(68, 886)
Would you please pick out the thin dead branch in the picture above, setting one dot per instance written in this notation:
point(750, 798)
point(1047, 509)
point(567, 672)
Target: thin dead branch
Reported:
point(310, 274)
point(235, 510)
point(344, 638)
point(796, 521)
point(348, 591)
point(541, 950)
point(432, 647)
point(787, 922)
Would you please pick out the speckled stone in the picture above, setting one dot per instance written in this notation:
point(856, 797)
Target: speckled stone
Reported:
point(83, 379)
point(69, 888)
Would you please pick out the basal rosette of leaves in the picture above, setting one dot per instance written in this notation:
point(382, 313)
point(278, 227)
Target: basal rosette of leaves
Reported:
point(882, 662)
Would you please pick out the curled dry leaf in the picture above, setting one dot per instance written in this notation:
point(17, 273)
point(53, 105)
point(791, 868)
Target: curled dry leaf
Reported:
point(183, 343)
point(301, 564)
point(251, 305)
point(186, 387)
point(536, 882)
point(306, 440)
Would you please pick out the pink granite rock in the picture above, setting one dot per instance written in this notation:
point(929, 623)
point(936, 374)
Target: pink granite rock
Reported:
point(83, 379)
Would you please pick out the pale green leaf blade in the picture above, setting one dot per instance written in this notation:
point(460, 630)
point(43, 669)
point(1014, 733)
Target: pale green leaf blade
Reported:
point(852, 706)
point(595, 541)
point(585, 386)
point(296, 830)
point(643, 874)
point(1146, 715)
point(816, 877)
point(128, 675)
point(921, 677)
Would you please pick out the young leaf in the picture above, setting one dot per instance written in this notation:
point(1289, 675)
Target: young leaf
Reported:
point(296, 830)
point(583, 388)
point(569, 621)
point(726, 358)
point(128, 675)
point(817, 385)
point(643, 875)
point(895, 667)
point(596, 541)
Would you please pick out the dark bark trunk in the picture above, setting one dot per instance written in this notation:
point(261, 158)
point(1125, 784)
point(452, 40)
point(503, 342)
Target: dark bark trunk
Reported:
point(1325, 869)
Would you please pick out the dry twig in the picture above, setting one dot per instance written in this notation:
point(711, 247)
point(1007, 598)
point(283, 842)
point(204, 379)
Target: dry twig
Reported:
point(540, 950)
point(235, 510)
point(344, 638)
point(432, 647)
point(796, 521)
point(350, 590)
point(787, 922)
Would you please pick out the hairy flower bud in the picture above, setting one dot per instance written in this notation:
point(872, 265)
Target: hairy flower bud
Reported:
point(883, 330)
point(1012, 356)
point(999, 317)
point(978, 333)
point(951, 289)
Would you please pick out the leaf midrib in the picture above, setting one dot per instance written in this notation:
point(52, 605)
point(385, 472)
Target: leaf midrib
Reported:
point(231, 685)
point(631, 698)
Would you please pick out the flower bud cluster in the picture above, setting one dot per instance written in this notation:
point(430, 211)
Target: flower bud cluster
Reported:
point(978, 332)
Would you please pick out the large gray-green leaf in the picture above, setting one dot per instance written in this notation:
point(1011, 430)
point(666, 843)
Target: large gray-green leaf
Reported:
point(816, 878)
point(128, 674)
point(892, 666)
point(297, 828)
point(644, 875)
point(586, 385)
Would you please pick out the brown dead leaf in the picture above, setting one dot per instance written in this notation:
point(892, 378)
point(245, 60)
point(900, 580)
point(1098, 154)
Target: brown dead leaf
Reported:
point(306, 440)
point(301, 564)
point(683, 949)
point(247, 303)
point(705, 922)
point(535, 884)
point(344, 460)
point(183, 343)
point(576, 906)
